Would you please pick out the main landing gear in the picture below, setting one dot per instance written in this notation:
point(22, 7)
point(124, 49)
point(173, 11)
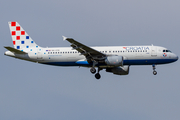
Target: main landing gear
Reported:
point(93, 71)
point(154, 71)
point(97, 76)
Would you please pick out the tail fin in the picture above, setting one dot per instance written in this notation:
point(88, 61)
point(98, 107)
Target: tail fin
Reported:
point(21, 40)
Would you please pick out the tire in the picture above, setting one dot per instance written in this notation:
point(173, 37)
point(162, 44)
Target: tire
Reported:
point(93, 70)
point(97, 76)
point(154, 72)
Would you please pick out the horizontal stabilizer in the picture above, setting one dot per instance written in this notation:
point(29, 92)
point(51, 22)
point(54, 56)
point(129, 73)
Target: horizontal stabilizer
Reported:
point(16, 51)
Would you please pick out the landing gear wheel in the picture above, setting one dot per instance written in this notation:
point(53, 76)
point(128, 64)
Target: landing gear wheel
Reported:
point(93, 70)
point(154, 72)
point(97, 76)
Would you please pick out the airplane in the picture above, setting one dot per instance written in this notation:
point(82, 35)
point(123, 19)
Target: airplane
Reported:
point(114, 59)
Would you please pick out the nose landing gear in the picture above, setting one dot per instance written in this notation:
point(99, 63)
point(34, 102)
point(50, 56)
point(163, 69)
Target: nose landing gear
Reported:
point(154, 71)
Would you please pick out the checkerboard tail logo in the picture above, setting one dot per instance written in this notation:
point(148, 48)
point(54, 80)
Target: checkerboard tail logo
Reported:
point(21, 40)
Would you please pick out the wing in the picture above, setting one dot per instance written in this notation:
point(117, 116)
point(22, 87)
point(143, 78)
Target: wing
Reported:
point(88, 52)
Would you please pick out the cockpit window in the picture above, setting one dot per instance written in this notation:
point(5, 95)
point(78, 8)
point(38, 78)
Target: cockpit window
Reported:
point(166, 51)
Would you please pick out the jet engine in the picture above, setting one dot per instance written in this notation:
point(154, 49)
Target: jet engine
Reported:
point(119, 70)
point(114, 60)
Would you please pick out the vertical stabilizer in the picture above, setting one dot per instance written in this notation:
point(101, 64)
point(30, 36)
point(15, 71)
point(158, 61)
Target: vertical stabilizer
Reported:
point(21, 40)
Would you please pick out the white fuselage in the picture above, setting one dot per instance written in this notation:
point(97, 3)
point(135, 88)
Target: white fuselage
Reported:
point(66, 56)
point(115, 59)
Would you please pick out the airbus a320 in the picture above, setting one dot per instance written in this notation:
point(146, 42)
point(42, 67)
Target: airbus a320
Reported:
point(114, 59)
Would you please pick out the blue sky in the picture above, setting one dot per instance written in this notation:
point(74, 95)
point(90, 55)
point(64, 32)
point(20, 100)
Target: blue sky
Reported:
point(41, 92)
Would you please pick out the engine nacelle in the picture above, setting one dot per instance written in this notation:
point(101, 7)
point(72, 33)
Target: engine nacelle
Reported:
point(119, 70)
point(114, 60)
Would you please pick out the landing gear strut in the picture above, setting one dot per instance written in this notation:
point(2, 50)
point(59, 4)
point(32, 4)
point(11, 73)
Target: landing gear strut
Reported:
point(97, 75)
point(154, 71)
point(93, 70)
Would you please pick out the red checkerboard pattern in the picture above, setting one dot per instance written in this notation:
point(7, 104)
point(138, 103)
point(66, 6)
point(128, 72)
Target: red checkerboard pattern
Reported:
point(20, 38)
point(16, 28)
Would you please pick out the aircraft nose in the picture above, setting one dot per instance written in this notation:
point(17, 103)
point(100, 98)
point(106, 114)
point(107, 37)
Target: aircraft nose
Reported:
point(176, 57)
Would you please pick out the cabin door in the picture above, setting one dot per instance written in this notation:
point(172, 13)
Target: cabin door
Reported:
point(153, 51)
point(39, 54)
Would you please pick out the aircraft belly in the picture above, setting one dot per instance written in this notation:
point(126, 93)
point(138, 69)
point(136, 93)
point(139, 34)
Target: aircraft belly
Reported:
point(65, 60)
point(147, 61)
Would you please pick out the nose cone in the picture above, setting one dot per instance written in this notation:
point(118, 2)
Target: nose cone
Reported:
point(175, 57)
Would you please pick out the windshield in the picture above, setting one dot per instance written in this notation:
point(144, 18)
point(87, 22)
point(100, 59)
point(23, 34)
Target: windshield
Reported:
point(166, 51)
